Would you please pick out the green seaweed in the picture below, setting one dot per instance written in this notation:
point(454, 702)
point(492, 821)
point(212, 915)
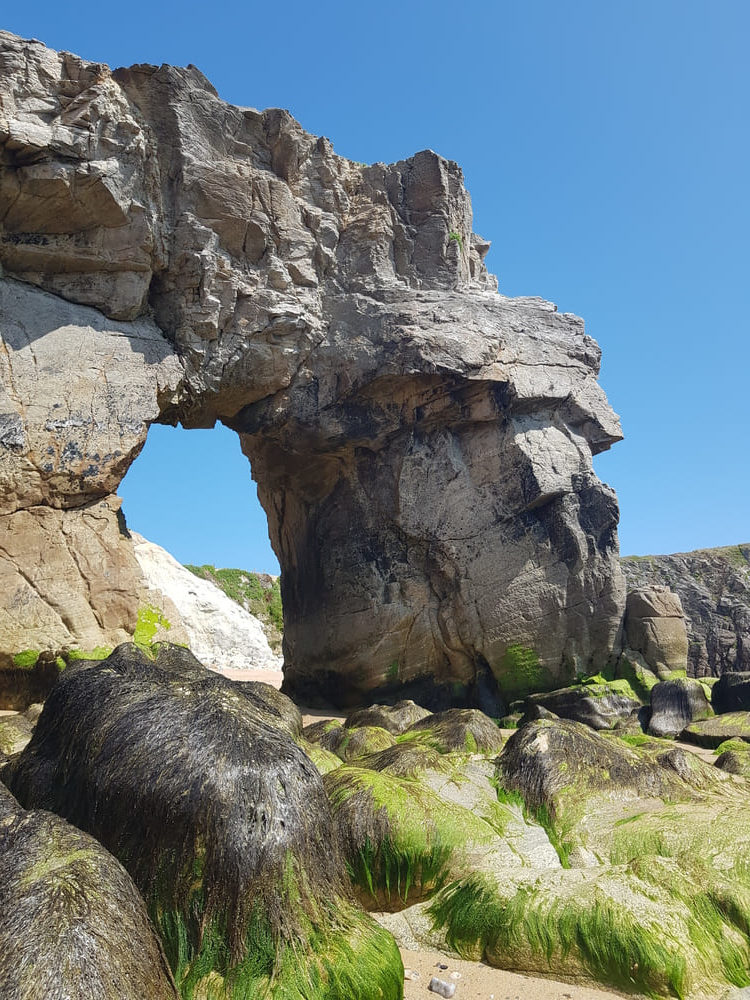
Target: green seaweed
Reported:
point(611, 942)
point(400, 837)
point(520, 672)
point(149, 620)
point(26, 659)
point(332, 964)
point(97, 653)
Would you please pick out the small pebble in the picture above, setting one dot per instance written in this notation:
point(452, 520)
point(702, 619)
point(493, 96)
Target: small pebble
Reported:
point(455, 975)
point(439, 965)
point(411, 974)
point(442, 988)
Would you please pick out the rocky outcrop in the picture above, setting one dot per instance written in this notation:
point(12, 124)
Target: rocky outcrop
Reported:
point(714, 589)
point(422, 444)
point(655, 629)
point(219, 632)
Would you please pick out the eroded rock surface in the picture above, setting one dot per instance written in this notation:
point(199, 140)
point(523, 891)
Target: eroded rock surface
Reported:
point(422, 444)
point(714, 589)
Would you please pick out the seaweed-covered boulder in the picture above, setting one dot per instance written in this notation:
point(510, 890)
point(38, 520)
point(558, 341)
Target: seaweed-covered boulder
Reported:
point(15, 733)
point(221, 820)
point(711, 733)
point(564, 769)
point(395, 718)
point(459, 729)
point(533, 712)
point(653, 893)
point(347, 743)
point(407, 759)
point(278, 709)
point(404, 839)
point(632, 667)
point(324, 732)
point(599, 705)
point(675, 704)
point(647, 927)
point(733, 756)
point(731, 693)
point(323, 760)
point(350, 744)
point(72, 923)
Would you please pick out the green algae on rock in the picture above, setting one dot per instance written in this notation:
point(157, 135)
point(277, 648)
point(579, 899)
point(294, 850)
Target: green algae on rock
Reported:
point(465, 730)
point(72, 923)
point(401, 841)
point(221, 820)
point(711, 733)
point(395, 718)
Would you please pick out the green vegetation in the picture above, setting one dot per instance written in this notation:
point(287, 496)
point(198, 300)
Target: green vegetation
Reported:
point(457, 238)
point(402, 840)
point(26, 659)
point(149, 620)
point(332, 964)
point(257, 593)
point(391, 673)
point(560, 933)
point(98, 653)
point(640, 678)
point(736, 745)
point(520, 672)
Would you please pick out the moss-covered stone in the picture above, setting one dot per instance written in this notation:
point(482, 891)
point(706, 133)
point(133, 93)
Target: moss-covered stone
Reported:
point(598, 704)
point(463, 730)
point(520, 673)
point(645, 928)
point(712, 732)
point(221, 820)
point(641, 679)
point(72, 923)
point(395, 718)
point(402, 841)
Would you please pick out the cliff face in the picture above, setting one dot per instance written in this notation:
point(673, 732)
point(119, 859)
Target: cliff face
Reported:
point(422, 444)
point(714, 587)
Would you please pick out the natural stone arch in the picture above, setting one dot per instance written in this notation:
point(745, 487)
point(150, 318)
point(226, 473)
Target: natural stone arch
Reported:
point(422, 445)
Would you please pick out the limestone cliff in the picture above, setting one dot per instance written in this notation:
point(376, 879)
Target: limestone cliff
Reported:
point(714, 588)
point(422, 444)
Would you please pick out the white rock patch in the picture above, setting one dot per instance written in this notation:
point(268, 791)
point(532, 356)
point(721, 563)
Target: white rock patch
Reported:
point(220, 633)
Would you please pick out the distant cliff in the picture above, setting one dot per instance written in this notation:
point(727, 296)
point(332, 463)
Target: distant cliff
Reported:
point(714, 587)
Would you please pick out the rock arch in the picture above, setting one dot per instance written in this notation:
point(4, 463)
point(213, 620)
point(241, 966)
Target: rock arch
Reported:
point(422, 444)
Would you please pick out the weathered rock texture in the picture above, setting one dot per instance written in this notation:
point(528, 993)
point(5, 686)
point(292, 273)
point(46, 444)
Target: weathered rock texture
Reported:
point(655, 628)
point(714, 589)
point(422, 445)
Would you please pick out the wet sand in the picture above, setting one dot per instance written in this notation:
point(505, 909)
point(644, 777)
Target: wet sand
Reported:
point(477, 981)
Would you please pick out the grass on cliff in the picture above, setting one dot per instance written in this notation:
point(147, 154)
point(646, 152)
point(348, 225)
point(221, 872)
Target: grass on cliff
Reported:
point(260, 594)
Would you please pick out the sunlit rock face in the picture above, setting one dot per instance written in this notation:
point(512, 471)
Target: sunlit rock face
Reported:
point(422, 444)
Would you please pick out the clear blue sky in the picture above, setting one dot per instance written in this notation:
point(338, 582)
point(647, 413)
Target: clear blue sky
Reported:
point(607, 152)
